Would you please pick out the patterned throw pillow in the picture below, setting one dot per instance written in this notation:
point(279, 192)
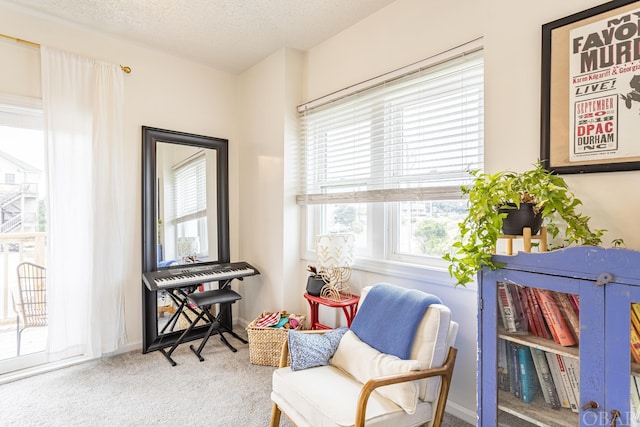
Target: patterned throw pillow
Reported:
point(310, 350)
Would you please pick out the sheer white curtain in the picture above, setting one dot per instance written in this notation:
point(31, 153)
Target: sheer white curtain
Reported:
point(88, 222)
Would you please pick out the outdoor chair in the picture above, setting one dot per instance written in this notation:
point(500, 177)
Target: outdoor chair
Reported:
point(30, 299)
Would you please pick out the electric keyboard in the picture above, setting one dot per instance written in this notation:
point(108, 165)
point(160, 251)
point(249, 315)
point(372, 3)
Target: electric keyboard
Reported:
point(188, 275)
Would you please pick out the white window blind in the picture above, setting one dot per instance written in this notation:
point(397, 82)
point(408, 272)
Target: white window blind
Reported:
point(411, 138)
point(190, 181)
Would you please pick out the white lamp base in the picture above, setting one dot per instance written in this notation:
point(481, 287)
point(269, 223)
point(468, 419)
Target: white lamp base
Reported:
point(336, 293)
point(335, 288)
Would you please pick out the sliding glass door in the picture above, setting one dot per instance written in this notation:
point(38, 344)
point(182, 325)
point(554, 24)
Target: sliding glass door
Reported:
point(23, 238)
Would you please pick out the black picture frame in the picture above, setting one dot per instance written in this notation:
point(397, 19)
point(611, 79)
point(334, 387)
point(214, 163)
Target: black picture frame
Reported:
point(570, 138)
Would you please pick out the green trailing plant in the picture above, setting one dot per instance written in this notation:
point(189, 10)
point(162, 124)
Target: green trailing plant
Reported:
point(479, 231)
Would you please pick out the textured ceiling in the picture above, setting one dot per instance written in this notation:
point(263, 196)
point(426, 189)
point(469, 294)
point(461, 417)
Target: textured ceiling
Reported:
point(231, 35)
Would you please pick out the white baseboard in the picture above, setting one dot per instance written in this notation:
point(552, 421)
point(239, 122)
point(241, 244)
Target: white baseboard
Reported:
point(461, 412)
point(135, 346)
point(242, 323)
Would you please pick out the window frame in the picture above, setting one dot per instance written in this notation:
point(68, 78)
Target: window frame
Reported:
point(437, 272)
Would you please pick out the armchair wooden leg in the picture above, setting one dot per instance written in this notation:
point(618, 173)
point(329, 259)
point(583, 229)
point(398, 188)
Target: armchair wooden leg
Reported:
point(275, 416)
point(444, 388)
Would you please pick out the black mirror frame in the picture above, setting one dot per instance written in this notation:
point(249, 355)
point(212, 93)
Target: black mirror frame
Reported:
point(150, 137)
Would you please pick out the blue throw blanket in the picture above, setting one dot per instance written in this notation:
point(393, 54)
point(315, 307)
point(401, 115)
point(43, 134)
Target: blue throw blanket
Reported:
point(389, 317)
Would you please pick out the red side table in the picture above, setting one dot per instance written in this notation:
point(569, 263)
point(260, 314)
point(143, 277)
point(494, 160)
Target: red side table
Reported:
point(349, 306)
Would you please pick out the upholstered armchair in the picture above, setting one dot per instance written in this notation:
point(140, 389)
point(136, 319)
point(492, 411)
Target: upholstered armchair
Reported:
point(359, 384)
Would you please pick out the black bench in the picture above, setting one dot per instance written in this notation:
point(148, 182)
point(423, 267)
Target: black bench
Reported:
point(204, 301)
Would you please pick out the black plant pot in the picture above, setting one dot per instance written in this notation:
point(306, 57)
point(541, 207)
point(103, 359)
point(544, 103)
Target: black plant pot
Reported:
point(314, 285)
point(517, 219)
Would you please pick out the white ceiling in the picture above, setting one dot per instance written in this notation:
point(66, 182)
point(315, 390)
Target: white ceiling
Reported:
point(231, 35)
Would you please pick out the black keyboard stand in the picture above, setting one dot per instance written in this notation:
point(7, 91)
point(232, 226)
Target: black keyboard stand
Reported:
point(203, 301)
point(179, 297)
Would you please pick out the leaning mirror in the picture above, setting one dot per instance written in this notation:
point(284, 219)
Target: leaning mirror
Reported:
point(185, 218)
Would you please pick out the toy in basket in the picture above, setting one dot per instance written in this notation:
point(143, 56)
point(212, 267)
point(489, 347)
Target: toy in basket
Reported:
point(267, 335)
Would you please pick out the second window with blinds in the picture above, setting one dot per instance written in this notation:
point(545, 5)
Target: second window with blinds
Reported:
point(386, 163)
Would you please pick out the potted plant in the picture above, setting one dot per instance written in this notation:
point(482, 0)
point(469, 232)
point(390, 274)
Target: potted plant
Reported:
point(315, 282)
point(493, 197)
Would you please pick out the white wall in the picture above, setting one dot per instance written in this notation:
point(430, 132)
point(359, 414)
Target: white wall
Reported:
point(269, 222)
point(162, 91)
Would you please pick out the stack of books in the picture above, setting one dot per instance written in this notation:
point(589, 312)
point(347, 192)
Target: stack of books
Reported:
point(528, 371)
point(540, 312)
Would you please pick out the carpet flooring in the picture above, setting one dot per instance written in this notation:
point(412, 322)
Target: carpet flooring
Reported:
point(135, 389)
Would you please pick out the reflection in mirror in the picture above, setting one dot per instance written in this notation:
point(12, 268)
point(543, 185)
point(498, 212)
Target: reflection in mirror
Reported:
point(185, 219)
point(187, 229)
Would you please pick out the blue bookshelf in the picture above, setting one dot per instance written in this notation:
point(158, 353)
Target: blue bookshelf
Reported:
point(600, 370)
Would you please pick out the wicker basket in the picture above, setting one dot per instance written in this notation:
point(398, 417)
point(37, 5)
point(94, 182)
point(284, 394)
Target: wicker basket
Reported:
point(265, 344)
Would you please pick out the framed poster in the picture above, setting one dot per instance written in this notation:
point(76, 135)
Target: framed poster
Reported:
point(590, 109)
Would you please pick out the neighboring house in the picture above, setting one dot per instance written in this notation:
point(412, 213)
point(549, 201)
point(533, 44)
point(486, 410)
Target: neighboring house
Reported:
point(18, 195)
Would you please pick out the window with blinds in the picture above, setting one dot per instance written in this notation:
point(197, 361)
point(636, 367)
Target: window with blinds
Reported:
point(412, 138)
point(190, 189)
point(386, 162)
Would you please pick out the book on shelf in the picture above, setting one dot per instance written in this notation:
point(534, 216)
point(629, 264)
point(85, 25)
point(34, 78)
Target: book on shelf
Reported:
point(573, 370)
point(568, 312)
point(541, 326)
point(635, 320)
point(634, 402)
point(557, 379)
point(518, 304)
point(635, 307)
point(528, 310)
point(514, 373)
point(511, 368)
point(503, 366)
point(635, 340)
point(501, 306)
point(635, 332)
point(528, 377)
point(511, 320)
point(566, 381)
point(546, 316)
point(545, 378)
point(575, 302)
point(553, 316)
